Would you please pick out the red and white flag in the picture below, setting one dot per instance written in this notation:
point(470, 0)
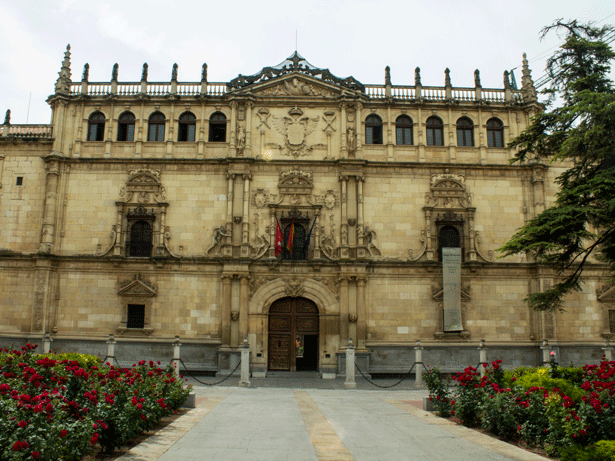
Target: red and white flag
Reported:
point(278, 238)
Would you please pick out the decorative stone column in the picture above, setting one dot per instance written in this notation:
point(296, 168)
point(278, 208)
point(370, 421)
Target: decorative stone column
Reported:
point(316, 254)
point(225, 334)
point(272, 229)
point(344, 322)
point(361, 313)
point(248, 148)
point(343, 146)
point(358, 129)
point(361, 253)
point(227, 250)
point(232, 144)
point(244, 295)
point(49, 217)
point(344, 252)
point(245, 220)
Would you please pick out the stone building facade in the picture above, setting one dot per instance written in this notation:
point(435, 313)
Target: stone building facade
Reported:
point(150, 210)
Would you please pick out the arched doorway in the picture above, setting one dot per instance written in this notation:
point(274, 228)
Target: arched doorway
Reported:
point(293, 335)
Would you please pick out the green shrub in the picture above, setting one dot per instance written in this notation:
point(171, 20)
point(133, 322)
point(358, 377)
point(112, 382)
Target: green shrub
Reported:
point(601, 451)
point(541, 377)
point(439, 392)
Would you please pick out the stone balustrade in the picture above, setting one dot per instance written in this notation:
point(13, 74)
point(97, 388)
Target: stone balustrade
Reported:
point(398, 92)
point(26, 131)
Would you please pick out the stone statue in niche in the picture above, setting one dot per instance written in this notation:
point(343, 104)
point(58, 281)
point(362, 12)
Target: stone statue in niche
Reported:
point(241, 139)
point(351, 139)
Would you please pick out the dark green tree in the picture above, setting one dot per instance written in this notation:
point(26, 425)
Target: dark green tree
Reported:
point(576, 128)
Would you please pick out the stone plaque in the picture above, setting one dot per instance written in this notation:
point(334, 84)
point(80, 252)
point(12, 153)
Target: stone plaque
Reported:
point(451, 280)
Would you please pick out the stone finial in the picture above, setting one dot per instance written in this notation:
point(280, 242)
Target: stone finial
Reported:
point(447, 77)
point(204, 73)
point(7, 117)
point(64, 76)
point(506, 80)
point(86, 73)
point(114, 72)
point(477, 78)
point(417, 76)
point(387, 76)
point(527, 84)
point(144, 72)
point(174, 73)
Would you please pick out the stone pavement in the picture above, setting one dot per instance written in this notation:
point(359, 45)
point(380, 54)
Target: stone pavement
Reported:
point(297, 418)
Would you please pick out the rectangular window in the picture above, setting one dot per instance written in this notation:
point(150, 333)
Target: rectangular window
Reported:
point(19, 181)
point(612, 321)
point(135, 316)
point(494, 138)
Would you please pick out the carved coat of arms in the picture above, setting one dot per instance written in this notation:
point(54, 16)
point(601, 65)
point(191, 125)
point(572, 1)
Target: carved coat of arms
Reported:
point(295, 129)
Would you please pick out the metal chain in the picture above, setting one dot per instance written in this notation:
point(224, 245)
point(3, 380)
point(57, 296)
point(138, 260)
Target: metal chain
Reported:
point(203, 382)
point(392, 385)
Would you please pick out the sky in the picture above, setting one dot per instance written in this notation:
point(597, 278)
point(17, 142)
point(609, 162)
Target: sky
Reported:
point(349, 37)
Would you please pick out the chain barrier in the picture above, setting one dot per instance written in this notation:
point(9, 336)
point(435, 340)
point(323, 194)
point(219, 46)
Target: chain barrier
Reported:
point(392, 385)
point(203, 382)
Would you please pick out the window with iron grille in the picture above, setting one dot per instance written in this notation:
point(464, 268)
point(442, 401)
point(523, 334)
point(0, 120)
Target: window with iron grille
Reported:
point(135, 316)
point(217, 127)
point(465, 132)
point(403, 130)
point(373, 130)
point(126, 127)
point(435, 131)
point(96, 127)
point(187, 127)
point(155, 130)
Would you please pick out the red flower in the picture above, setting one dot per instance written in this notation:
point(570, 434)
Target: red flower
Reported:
point(35, 454)
point(63, 433)
point(94, 439)
point(22, 424)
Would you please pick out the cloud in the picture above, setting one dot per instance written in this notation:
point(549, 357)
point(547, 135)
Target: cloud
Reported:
point(116, 26)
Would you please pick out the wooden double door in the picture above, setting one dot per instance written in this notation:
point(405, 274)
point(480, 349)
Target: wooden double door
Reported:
point(293, 335)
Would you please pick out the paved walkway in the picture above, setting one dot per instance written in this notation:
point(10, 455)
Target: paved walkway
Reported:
point(282, 420)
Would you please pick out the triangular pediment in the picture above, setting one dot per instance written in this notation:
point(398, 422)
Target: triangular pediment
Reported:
point(606, 294)
point(292, 86)
point(294, 77)
point(137, 287)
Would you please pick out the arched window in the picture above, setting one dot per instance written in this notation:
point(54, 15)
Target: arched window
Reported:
point(140, 244)
point(187, 127)
point(448, 237)
point(495, 133)
point(155, 130)
point(373, 129)
point(435, 131)
point(126, 127)
point(465, 132)
point(96, 127)
point(217, 127)
point(403, 130)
